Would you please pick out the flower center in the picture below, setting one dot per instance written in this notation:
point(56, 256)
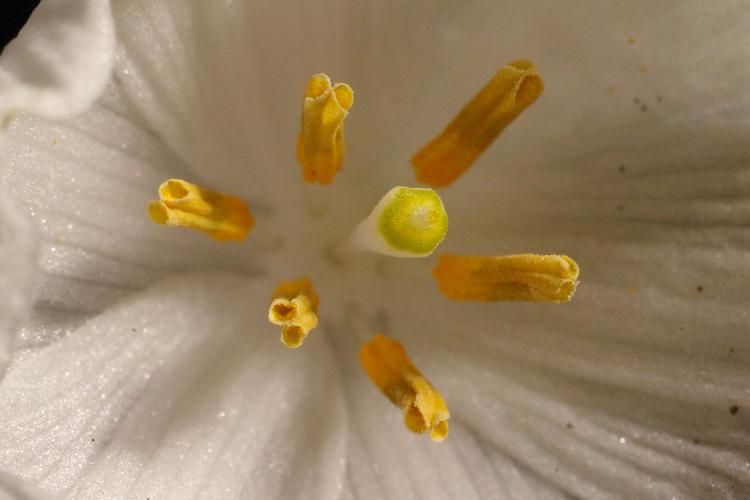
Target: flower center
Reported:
point(406, 222)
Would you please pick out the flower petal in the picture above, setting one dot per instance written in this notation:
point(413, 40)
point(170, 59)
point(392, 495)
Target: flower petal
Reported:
point(629, 116)
point(60, 61)
point(612, 394)
point(15, 488)
point(386, 461)
point(18, 262)
point(616, 361)
point(223, 82)
point(177, 393)
point(87, 182)
point(638, 387)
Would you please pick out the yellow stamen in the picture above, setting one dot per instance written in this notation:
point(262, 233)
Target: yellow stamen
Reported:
point(531, 277)
point(320, 146)
point(294, 307)
point(451, 153)
point(390, 369)
point(221, 216)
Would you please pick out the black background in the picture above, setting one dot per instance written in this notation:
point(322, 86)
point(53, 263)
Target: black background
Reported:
point(13, 15)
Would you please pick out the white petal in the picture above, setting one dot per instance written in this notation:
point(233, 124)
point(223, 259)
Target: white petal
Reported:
point(183, 391)
point(15, 488)
point(223, 83)
point(87, 182)
point(385, 460)
point(60, 61)
point(613, 394)
point(562, 155)
point(649, 362)
point(18, 262)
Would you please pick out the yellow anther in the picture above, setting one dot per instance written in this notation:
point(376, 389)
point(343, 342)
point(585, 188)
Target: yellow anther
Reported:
point(221, 216)
point(531, 277)
point(320, 146)
point(294, 307)
point(390, 369)
point(451, 153)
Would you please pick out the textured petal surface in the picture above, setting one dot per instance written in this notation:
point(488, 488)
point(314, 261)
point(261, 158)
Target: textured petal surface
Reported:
point(14, 488)
point(60, 61)
point(635, 163)
point(176, 393)
point(223, 85)
point(87, 182)
point(653, 413)
point(18, 262)
point(387, 461)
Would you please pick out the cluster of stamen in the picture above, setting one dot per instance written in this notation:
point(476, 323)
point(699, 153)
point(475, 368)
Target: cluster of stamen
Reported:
point(407, 222)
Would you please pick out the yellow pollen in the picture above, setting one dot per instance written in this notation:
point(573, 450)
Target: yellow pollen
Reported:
point(320, 146)
point(294, 307)
point(551, 278)
point(221, 216)
point(390, 369)
point(450, 154)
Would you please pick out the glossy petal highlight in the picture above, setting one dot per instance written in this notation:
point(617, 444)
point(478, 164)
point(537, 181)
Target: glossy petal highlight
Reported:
point(18, 265)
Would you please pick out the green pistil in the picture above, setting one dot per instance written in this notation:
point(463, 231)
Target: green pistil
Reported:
point(413, 220)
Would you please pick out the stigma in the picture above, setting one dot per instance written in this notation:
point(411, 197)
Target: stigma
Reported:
point(320, 146)
point(444, 159)
point(406, 222)
point(294, 307)
point(390, 369)
point(530, 277)
point(223, 217)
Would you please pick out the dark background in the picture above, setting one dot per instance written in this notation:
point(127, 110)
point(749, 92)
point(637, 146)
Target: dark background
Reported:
point(13, 15)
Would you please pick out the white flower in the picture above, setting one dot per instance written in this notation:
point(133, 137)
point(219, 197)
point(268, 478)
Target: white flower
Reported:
point(147, 369)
